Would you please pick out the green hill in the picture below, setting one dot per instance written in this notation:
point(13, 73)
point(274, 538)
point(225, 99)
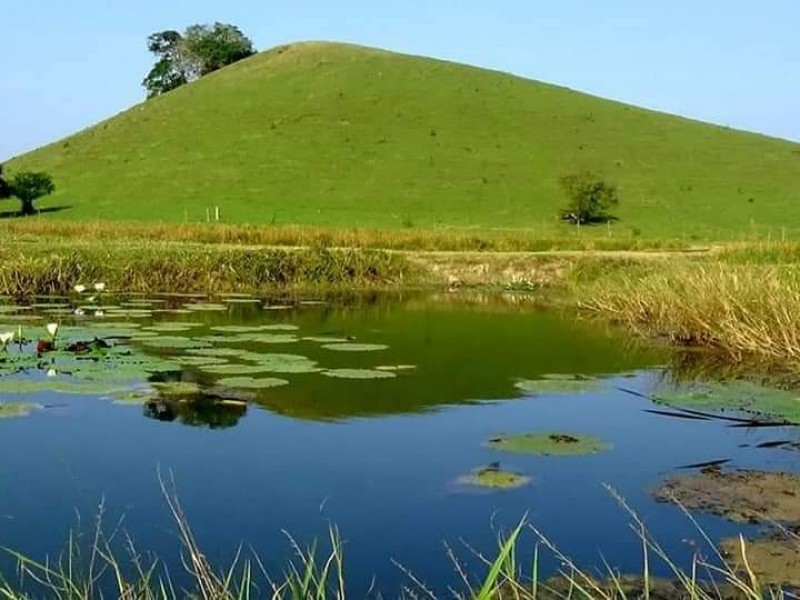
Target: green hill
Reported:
point(340, 135)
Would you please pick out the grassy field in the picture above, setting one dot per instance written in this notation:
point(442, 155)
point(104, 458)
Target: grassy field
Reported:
point(339, 136)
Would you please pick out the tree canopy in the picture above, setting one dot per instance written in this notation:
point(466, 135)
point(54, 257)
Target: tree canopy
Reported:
point(590, 197)
point(198, 51)
point(5, 187)
point(28, 186)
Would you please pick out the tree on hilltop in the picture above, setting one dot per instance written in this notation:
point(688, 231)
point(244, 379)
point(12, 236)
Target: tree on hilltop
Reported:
point(198, 51)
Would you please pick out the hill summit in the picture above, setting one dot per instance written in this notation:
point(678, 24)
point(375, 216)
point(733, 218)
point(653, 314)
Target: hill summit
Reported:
point(341, 135)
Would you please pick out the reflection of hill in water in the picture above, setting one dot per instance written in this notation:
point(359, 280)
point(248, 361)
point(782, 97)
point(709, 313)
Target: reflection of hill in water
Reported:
point(462, 353)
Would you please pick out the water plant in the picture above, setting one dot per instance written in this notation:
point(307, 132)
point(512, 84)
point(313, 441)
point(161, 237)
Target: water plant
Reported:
point(549, 444)
point(5, 339)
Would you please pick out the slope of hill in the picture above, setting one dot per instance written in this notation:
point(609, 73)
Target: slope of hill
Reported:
point(340, 135)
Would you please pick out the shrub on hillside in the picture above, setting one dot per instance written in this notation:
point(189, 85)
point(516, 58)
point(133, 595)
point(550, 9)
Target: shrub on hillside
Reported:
point(590, 198)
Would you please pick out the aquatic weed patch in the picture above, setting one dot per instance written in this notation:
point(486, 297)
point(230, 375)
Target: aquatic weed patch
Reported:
point(549, 444)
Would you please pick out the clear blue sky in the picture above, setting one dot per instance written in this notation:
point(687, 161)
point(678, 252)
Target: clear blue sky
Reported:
point(66, 65)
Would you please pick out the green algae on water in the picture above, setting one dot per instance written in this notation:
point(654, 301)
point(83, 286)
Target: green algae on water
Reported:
point(549, 444)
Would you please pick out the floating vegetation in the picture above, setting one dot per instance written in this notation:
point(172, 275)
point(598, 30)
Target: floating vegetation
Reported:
point(352, 347)
point(28, 386)
point(280, 327)
point(236, 329)
point(549, 444)
point(265, 338)
point(232, 369)
point(13, 410)
point(197, 361)
point(172, 342)
point(738, 495)
point(396, 368)
point(252, 384)
point(216, 351)
point(557, 384)
point(742, 396)
point(278, 307)
point(177, 326)
point(492, 477)
point(358, 374)
point(177, 388)
point(282, 363)
point(326, 339)
point(205, 306)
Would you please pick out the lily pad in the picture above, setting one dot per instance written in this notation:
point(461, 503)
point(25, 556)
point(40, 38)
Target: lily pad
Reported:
point(250, 383)
point(557, 384)
point(358, 374)
point(396, 368)
point(233, 369)
point(742, 396)
point(205, 307)
point(216, 351)
point(282, 363)
point(549, 444)
point(196, 361)
point(88, 388)
point(492, 477)
point(351, 347)
point(322, 339)
point(171, 342)
point(266, 338)
point(13, 410)
point(236, 329)
point(168, 326)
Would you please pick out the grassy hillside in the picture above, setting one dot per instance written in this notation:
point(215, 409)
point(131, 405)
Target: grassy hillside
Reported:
point(339, 135)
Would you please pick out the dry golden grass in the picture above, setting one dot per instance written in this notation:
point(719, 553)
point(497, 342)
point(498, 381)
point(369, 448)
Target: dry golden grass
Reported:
point(254, 235)
point(742, 309)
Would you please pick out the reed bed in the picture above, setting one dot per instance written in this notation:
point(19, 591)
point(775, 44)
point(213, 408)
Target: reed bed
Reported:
point(745, 310)
point(297, 236)
point(47, 268)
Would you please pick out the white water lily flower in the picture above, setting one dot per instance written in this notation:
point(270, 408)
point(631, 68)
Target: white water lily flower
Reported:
point(80, 288)
point(52, 372)
point(79, 312)
point(52, 329)
point(6, 337)
point(99, 286)
point(99, 313)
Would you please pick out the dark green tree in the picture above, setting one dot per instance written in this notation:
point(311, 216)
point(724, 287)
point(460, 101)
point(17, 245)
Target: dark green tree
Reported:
point(5, 187)
point(28, 186)
point(200, 50)
point(216, 46)
point(590, 198)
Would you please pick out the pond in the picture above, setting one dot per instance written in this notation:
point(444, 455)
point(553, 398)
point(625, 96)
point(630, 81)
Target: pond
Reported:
point(409, 422)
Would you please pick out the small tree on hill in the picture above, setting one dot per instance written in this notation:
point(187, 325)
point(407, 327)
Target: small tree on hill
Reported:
point(29, 186)
point(590, 198)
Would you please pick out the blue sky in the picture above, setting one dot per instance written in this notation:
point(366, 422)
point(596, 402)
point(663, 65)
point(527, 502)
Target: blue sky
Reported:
point(66, 65)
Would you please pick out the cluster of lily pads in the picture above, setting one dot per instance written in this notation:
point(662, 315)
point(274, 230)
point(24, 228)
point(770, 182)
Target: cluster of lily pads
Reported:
point(538, 443)
point(129, 360)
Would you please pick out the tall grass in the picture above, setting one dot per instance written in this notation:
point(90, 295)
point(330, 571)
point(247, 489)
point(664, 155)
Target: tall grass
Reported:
point(741, 309)
point(46, 268)
point(299, 236)
point(100, 572)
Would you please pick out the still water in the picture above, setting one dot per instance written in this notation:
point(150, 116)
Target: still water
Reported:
point(379, 458)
